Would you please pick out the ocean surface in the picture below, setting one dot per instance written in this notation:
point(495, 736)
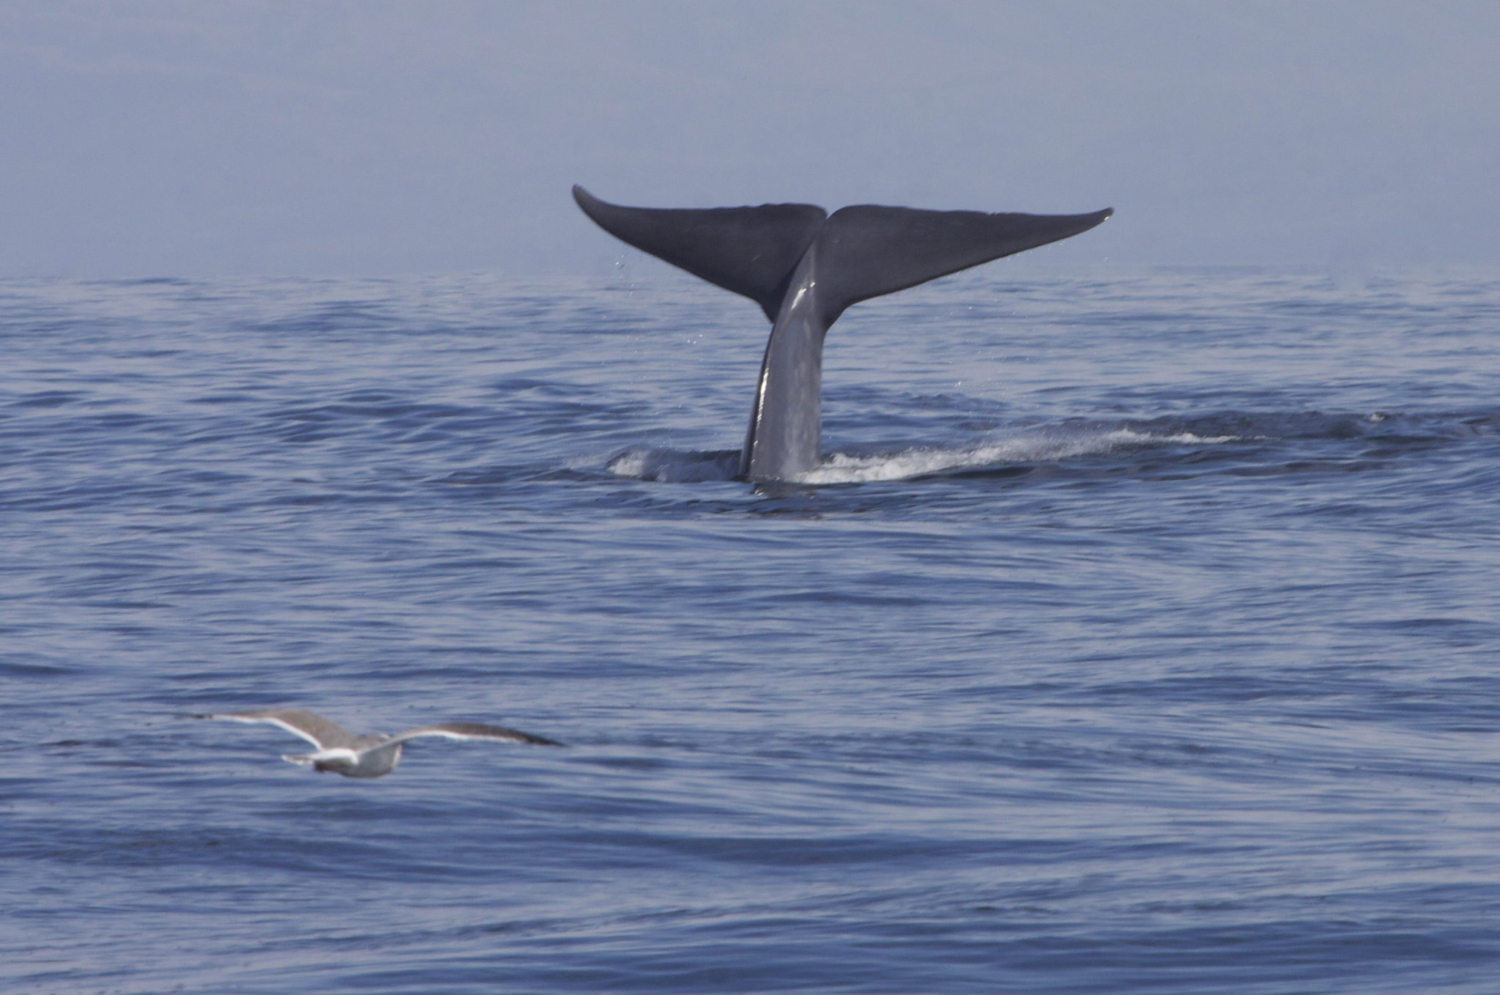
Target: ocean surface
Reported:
point(1139, 633)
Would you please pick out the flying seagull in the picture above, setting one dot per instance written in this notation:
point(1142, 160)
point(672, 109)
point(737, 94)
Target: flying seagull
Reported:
point(369, 755)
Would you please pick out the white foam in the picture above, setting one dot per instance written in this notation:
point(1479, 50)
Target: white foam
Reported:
point(667, 466)
point(631, 464)
point(1028, 448)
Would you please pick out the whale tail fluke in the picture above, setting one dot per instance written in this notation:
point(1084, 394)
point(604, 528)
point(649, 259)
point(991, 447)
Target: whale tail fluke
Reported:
point(863, 251)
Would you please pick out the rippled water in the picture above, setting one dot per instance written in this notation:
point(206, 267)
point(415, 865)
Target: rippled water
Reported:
point(1139, 633)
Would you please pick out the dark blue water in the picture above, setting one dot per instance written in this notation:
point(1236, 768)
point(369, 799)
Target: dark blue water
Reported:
point(1140, 633)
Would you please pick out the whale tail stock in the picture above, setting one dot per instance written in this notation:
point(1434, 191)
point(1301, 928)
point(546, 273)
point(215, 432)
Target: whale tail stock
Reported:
point(804, 267)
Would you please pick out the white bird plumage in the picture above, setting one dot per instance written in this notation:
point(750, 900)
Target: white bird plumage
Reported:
point(365, 755)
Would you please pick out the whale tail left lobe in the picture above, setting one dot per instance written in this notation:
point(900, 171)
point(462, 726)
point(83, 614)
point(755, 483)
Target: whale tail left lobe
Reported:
point(749, 250)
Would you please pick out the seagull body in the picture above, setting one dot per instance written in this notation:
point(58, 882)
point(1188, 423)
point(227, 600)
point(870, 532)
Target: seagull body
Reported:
point(369, 755)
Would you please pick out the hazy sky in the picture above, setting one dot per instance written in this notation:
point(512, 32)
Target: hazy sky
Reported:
point(307, 137)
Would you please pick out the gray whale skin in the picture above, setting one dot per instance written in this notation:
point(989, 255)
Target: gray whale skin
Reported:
point(803, 267)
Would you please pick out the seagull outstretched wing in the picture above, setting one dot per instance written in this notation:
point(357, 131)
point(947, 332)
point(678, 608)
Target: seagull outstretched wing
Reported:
point(322, 733)
point(473, 730)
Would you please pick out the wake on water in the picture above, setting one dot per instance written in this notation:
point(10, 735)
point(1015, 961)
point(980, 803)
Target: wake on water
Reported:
point(1027, 446)
point(1032, 444)
point(1024, 445)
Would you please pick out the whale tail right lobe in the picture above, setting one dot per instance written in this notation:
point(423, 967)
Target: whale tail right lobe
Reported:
point(866, 250)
